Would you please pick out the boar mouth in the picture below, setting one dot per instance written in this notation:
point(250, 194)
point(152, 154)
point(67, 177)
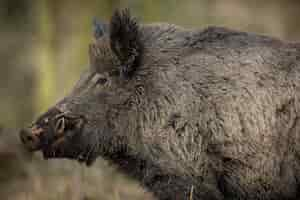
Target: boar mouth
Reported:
point(68, 143)
point(58, 135)
point(65, 142)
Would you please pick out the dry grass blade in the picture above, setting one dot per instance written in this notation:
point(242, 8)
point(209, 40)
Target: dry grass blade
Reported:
point(191, 193)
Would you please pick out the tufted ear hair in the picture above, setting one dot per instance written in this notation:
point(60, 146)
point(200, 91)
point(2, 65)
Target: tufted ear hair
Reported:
point(125, 41)
point(99, 28)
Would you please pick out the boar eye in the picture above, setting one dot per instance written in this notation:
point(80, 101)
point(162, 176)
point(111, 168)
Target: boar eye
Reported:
point(101, 81)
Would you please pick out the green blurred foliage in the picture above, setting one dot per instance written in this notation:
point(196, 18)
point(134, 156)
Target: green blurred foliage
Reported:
point(44, 42)
point(43, 50)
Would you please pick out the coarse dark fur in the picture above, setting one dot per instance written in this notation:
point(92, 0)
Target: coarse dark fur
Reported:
point(201, 114)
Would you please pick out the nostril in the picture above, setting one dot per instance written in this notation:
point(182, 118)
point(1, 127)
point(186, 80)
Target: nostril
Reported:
point(29, 140)
point(25, 136)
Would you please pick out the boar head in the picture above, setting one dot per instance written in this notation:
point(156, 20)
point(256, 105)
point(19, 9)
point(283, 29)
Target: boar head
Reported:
point(93, 118)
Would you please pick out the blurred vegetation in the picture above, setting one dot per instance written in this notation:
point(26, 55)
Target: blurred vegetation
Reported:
point(44, 49)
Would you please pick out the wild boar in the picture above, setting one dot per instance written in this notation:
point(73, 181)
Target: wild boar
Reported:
point(199, 114)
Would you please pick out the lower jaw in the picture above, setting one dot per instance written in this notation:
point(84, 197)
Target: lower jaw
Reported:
point(48, 153)
point(56, 154)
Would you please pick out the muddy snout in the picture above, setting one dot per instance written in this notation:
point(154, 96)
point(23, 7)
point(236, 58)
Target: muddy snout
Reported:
point(30, 137)
point(51, 130)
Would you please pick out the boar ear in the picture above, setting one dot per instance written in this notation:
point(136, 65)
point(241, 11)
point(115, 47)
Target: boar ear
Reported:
point(99, 28)
point(125, 41)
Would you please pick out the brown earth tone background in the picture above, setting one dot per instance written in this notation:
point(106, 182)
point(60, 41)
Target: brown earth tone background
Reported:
point(43, 49)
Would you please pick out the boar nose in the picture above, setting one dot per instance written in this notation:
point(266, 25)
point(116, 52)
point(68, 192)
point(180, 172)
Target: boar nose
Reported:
point(30, 138)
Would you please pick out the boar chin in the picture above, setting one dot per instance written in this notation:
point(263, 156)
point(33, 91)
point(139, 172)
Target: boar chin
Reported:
point(71, 148)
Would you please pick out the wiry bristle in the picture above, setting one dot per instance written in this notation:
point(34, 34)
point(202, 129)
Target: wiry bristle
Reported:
point(125, 41)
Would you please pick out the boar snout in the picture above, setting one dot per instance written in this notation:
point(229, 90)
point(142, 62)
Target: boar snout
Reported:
point(52, 132)
point(30, 137)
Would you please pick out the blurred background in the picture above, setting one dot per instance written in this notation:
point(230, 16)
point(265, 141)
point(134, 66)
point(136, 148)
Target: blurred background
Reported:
point(43, 49)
